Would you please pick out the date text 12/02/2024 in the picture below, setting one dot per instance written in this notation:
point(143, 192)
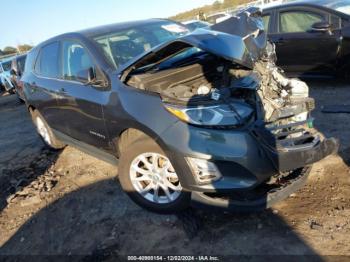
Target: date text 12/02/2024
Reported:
point(173, 258)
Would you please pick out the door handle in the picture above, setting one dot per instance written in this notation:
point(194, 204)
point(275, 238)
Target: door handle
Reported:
point(62, 90)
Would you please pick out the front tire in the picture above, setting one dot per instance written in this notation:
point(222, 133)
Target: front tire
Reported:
point(148, 177)
point(45, 131)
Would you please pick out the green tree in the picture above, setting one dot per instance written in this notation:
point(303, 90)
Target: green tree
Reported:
point(24, 48)
point(9, 50)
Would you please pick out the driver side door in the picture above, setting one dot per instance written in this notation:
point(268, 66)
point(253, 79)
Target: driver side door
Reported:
point(80, 102)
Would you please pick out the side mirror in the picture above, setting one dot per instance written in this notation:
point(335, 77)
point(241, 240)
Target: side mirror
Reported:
point(89, 78)
point(91, 74)
point(13, 72)
point(321, 27)
point(86, 75)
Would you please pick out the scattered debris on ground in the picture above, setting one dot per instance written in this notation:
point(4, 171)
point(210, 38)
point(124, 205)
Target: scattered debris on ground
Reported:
point(66, 202)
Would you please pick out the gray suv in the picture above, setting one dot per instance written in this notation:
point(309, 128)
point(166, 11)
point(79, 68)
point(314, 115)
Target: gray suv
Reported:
point(202, 118)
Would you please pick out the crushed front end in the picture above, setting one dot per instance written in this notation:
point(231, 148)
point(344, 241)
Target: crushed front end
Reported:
point(245, 133)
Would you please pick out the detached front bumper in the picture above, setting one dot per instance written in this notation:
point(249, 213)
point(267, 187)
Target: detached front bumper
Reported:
point(256, 200)
point(247, 161)
point(300, 157)
point(265, 195)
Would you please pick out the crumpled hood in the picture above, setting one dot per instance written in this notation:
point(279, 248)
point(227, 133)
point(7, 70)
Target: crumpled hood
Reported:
point(240, 39)
point(250, 27)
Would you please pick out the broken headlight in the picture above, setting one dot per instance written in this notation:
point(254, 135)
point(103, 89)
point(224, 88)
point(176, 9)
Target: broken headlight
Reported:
point(215, 115)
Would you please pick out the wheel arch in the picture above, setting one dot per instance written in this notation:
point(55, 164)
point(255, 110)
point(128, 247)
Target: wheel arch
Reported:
point(130, 135)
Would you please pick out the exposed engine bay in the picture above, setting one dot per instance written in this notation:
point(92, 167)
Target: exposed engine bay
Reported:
point(210, 78)
point(233, 64)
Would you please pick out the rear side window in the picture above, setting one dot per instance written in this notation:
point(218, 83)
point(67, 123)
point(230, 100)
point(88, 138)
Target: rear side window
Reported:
point(298, 21)
point(47, 64)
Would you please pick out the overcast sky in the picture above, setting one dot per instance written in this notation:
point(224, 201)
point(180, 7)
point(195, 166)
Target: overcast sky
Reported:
point(33, 21)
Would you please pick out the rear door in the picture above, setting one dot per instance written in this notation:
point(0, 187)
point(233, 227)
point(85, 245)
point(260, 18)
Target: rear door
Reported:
point(45, 83)
point(298, 48)
point(79, 102)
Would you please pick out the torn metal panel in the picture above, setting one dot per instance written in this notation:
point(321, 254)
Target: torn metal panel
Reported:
point(232, 61)
point(250, 27)
point(229, 47)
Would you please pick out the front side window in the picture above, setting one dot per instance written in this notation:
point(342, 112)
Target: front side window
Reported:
point(76, 62)
point(298, 21)
point(47, 64)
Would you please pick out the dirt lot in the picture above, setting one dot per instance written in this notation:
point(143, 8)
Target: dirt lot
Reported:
point(71, 203)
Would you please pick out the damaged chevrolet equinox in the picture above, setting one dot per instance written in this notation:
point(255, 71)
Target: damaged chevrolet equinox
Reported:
point(202, 118)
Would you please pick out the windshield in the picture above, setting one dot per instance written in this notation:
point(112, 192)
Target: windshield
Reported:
point(341, 6)
point(122, 46)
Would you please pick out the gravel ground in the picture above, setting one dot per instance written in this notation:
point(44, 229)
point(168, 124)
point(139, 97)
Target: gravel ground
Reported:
point(69, 203)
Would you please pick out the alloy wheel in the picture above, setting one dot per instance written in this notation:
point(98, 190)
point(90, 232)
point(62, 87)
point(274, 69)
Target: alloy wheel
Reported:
point(154, 178)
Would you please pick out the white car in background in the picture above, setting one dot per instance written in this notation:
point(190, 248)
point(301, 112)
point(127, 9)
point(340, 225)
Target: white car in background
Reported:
point(218, 17)
point(195, 24)
point(5, 75)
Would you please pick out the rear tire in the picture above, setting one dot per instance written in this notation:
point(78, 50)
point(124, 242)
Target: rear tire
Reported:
point(9, 88)
point(152, 185)
point(20, 99)
point(45, 131)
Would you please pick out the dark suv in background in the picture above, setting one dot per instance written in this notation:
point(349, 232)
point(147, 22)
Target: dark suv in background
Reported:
point(17, 69)
point(202, 116)
point(312, 37)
